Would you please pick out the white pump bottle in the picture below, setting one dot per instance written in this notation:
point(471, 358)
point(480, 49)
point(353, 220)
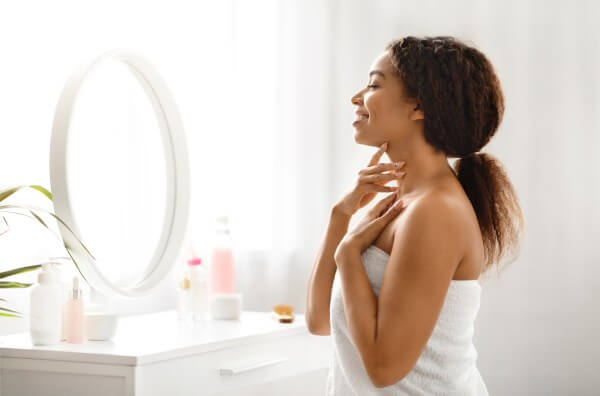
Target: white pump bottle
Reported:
point(45, 309)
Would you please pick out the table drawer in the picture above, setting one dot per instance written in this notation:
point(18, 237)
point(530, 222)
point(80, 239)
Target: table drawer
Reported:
point(236, 369)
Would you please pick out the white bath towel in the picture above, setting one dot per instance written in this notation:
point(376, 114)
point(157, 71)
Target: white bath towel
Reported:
point(447, 364)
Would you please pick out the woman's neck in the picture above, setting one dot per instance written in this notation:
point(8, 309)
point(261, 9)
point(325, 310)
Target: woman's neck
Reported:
point(423, 167)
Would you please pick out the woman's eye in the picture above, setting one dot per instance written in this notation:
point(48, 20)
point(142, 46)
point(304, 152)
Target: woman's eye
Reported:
point(372, 86)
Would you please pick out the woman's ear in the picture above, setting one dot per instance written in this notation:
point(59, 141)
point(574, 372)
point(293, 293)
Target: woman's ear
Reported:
point(417, 113)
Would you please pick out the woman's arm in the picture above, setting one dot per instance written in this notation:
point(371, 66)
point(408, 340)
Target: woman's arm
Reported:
point(371, 180)
point(323, 272)
point(391, 330)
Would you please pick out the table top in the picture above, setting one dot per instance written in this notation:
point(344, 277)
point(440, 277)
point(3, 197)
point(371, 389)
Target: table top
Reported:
point(147, 338)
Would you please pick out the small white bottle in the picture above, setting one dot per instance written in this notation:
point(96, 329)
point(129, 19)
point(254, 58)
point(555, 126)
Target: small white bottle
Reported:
point(199, 289)
point(74, 317)
point(45, 309)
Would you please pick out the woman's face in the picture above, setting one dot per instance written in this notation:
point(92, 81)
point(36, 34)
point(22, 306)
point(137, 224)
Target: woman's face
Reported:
point(383, 113)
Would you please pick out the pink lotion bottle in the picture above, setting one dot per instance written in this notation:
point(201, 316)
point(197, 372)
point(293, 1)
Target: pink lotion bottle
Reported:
point(73, 315)
point(222, 268)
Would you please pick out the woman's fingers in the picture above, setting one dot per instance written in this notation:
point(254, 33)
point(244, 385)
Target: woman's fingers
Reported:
point(393, 210)
point(375, 158)
point(386, 215)
point(378, 188)
point(381, 177)
point(387, 208)
point(366, 188)
point(379, 168)
point(382, 204)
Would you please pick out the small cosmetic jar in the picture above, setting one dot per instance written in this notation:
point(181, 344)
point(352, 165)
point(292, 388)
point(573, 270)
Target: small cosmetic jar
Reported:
point(226, 306)
point(100, 326)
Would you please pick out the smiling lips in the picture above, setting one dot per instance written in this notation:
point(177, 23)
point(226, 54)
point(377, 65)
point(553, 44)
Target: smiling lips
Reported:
point(360, 116)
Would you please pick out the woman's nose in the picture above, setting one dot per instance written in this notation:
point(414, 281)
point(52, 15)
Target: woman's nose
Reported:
point(356, 99)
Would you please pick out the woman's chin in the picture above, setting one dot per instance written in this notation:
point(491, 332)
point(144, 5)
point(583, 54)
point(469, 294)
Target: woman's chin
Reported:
point(360, 140)
point(357, 137)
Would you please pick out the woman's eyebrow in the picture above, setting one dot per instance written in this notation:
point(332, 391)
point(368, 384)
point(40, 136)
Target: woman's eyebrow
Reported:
point(377, 72)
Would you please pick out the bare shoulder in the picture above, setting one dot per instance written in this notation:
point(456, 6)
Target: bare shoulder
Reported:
point(447, 216)
point(436, 207)
point(443, 219)
point(440, 214)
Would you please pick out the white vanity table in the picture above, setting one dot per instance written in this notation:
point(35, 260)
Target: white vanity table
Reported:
point(155, 354)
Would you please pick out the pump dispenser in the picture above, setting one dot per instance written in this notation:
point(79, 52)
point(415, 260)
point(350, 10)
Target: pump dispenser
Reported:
point(74, 315)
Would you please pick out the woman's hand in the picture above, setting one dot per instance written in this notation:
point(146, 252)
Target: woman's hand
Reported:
point(370, 226)
point(371, 180)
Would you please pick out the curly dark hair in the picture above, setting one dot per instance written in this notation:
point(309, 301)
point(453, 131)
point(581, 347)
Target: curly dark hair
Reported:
point(459, 93)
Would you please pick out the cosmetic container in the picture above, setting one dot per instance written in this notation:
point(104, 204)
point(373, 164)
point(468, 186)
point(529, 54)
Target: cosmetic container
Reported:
point(74, 315)
point(45, 308)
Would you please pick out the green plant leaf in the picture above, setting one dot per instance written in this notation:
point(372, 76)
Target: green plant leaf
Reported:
point(11, 285)
point(67, 247)
point(38, 218)
point(75, 262)
point(10, 191)
point(41, 189)
point(32, 217)
point(6, 227)
point(19, 270)
point(10, 315)
point(27, 207)
point(9, 310)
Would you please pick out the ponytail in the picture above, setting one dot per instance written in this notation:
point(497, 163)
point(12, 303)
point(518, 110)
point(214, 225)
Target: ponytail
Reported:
point(495, 202)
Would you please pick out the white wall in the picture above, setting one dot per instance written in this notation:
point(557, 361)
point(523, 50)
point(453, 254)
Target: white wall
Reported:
point(536, 330)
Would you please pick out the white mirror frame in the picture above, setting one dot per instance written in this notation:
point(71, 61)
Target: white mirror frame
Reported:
point(177, 176)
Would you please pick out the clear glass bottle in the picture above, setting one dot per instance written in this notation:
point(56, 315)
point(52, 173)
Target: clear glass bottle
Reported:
point(222, 267)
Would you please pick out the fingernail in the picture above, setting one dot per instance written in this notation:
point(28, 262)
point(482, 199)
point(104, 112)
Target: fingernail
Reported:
point(398, 205)
point(383, 146)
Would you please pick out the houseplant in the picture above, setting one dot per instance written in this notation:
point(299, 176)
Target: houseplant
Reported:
point(35, 214)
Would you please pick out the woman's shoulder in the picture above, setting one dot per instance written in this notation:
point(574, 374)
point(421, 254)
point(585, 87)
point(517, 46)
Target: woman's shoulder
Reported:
point(450, 215)
point(439, 209)
point(439, 206)
point(435, 201)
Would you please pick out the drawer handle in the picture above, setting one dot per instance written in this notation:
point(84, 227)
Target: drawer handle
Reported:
point(247, 367)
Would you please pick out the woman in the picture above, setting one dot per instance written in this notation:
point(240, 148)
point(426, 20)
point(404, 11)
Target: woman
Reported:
point(404, 284)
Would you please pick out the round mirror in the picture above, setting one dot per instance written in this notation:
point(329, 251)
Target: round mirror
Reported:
point(119, 174)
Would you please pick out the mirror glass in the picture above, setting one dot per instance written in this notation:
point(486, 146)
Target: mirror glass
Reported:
point(116, 172)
